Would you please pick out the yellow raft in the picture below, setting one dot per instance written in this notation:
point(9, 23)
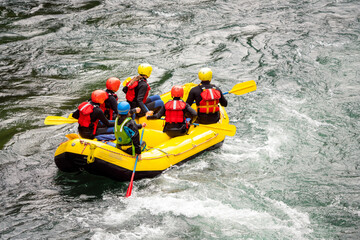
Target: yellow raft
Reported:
point(161, 152)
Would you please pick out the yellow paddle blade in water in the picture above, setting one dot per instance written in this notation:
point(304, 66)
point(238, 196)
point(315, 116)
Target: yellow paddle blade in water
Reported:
point(55, 120)
point(244, 87)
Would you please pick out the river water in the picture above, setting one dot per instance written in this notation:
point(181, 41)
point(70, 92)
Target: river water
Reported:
point(290, 172)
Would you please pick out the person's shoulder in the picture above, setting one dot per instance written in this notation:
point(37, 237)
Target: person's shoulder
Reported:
point(130, 121)
point(187, 105)
point(216, 87)
point(97, 109)
point(111, 97)
point(194, 89)
point(131, 124)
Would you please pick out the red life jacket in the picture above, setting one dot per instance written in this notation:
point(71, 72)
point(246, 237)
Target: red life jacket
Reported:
point(130, 94)
point(84, 120)
point(174, 111)
point(103, 106)
point(210, 100)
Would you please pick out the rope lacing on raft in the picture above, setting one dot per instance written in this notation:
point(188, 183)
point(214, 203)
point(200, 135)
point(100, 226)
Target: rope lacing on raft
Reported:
point(91, 158)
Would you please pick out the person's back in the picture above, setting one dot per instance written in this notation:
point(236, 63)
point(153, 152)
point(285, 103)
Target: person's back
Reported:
point(89, 114)
point(127, 131)
point(207, 97)
point(176, 111)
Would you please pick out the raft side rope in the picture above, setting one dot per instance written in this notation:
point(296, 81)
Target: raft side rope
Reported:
point(91, 156)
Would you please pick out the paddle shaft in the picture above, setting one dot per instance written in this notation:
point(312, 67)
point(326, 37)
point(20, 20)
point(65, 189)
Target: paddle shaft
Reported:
point(128, 192)
point(228, 130)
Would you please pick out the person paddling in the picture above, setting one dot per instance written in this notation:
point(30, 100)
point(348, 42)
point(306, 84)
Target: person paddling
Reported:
point(109, 107)
point(137, 91)
point(127, 131)
point(175, 112)
point(89, 114)
point(207, 97)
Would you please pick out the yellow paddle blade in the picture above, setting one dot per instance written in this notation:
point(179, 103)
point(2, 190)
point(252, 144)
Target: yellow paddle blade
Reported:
point(55, 120)
point(72, 136)
point(228, 130)
point(244, 87)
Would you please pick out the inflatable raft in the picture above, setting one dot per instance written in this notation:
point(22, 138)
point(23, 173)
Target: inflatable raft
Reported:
point(161, 151)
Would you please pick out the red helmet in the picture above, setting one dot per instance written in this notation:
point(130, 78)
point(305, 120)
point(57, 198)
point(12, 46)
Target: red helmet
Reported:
point(113, 84)
point(177, 91)
point(99, 96)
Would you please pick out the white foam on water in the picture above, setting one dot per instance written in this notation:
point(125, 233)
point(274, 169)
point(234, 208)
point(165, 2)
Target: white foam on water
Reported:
point(142, 231)
point(238, 150)
point(277, 137)
point(213, 212)
point(299, 224)
point(307, 118)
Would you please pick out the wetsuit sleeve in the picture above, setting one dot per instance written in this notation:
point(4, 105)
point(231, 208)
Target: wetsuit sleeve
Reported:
point(125, 89)
point(142, 89)
point(191, 111)
point(113, 104)
point(191, 96)
point(159, 114)
point(222, 99)
point(100, 115)
point(76, 114)
point(136, 137)
point(132, 111)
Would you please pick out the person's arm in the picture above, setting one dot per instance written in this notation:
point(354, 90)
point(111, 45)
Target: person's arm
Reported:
point(100, 115)
point(135, 138)
point(113, 104)
point(76, 114)
point(222, 100)
point(191, 97)
point(191, 111)
point(142, 89)
point(125, 89)
point(134, 110)
point(158, 115)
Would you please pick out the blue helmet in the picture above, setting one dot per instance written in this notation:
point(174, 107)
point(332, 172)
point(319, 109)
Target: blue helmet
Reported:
point(123, 108)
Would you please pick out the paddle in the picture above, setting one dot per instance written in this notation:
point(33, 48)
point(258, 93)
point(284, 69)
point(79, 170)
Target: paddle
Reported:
point(55, 120)
point(242, 88)
point(128, 192)
point(228, 130)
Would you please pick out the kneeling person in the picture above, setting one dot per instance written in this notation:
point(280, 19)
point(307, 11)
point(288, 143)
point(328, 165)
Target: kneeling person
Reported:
point(175, 112)
point(127, 131)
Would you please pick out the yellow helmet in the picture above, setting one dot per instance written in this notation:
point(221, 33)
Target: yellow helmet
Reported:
point(205, 74)
point(145, 69)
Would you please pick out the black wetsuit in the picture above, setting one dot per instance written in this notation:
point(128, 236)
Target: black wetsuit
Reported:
point(194, 95)
point(87, 132)
point(140, 92)
point(111, 103)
